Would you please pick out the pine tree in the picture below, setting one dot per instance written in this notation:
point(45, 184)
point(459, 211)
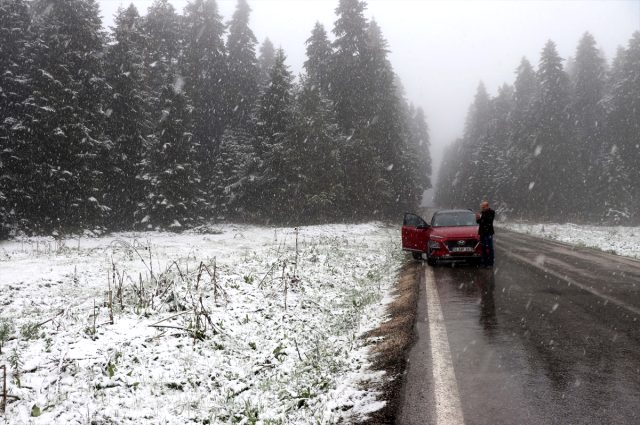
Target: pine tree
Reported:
point(316, 147)
point(448, 187)
point(232, 175)
point(494, 174)
point(487, 143)
point(525, 88)
point(127, 123)
point(318, 63)
point(615, 74)
point(624, 126)
point(242, 84)
point(349, 82)
point(516, 197)
point(552, 160)
point(276, 177)
point(617, 185)
point(468, 177)
point(463, 171)
point(205, 71)
point(163, 36)
point(274, 106)
point(478, 116)
point(416, 161)
point(266, 60)
point(386, 128)
point(174, 199)
point(422, 139)
point(362, 89)
point(15, 88)
point(67, 116)
point(589, 118)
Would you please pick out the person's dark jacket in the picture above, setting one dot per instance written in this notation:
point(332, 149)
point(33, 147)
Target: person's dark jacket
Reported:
point(486, 222)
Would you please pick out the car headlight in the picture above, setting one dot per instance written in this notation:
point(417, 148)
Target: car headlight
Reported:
point(434, 245)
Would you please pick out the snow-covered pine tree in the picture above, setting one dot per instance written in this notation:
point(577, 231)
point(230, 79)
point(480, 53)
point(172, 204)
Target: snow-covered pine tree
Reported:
point(616, 176)
point(464, 193)
point(234, 162)
point(163, 44)
point(589, 119)
point(413, 164)
point(242, 82)
point(317, 146)
point(516, 197)
point(266, 60)
point(624, 124)
point(349, 82)
point(481, 162)
point(477, 120)
point(355, 89)
point(205, 70)
point(421, 141)
point(318, 63)
point(15, 89)
point(448, 184)
point(552, 165)
point(615, 73)
point(174, 199)
point(387, 130)
point(67, 116)
point(277, 180)
point(274, 106)
point(128, 119)
point(493, 178)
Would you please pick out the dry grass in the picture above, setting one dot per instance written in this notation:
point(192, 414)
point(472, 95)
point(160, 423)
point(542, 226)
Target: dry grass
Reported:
point(397, 335)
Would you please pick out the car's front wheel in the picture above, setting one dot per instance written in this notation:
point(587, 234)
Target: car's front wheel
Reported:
point(430, 261)
point(416, 255)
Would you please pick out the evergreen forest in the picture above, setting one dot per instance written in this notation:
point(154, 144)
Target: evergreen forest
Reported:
point(173, 119)
point(562, 143)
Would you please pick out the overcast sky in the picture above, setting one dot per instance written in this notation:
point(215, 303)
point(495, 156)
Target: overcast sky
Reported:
point(442, 49)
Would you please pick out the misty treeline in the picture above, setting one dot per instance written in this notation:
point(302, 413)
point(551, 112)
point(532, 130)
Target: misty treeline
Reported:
point(562, 143)
point(171, 120)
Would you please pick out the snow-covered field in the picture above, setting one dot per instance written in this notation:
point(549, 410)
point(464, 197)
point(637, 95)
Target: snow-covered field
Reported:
point(618, 240)
point(231, 325)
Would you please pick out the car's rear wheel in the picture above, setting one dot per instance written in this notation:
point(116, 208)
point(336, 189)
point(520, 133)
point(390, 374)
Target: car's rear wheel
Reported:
point(417, 255)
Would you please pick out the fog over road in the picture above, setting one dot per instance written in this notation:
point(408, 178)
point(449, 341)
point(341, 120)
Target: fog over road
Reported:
point(551, 335)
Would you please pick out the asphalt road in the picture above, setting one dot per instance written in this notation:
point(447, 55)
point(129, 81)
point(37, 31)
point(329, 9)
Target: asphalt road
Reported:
point(551, 335)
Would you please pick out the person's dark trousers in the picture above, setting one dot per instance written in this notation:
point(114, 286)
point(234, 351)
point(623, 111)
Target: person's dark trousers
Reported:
point(487, 250)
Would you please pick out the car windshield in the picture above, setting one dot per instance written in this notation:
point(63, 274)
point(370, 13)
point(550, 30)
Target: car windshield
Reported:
point(460, 218)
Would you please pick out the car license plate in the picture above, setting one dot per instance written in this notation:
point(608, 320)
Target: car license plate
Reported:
point(462, 249)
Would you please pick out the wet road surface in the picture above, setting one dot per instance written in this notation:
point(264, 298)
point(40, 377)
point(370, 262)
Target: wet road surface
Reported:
point(551, 335)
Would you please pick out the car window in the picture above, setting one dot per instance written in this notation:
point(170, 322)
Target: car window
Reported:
point(453, 219)
point(413, 220)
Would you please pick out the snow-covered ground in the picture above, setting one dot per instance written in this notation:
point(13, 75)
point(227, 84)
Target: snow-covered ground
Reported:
point(225, 326)
point(618, 240)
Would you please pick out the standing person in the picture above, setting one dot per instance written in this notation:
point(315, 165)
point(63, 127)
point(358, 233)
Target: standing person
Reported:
point(485, 231)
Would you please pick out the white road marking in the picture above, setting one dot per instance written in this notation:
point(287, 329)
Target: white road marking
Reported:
point(448, 406)
point(570, 281)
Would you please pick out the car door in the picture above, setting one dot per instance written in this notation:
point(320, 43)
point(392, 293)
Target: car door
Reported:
point(414, 230)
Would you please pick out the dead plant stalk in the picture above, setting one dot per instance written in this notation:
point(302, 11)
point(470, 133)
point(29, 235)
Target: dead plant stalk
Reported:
point(4, 388)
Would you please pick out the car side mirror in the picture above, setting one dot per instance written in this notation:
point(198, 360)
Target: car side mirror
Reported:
point(423, 226)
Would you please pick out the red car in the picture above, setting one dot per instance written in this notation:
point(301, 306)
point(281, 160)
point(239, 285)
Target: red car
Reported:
point(452, 236)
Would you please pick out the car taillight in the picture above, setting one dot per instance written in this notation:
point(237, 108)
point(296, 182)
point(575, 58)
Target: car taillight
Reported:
point(434, 245)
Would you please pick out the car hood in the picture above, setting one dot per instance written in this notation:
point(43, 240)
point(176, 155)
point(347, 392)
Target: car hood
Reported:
point(455, 232)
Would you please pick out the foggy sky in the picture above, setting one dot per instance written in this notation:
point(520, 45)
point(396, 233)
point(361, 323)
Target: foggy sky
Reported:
point(442, 49)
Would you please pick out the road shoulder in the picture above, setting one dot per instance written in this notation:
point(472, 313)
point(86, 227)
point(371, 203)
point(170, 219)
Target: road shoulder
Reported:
point(396, 336)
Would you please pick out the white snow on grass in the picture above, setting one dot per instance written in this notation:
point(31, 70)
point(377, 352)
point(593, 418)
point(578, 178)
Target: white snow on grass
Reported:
point(618, 240)
point(245, 330)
